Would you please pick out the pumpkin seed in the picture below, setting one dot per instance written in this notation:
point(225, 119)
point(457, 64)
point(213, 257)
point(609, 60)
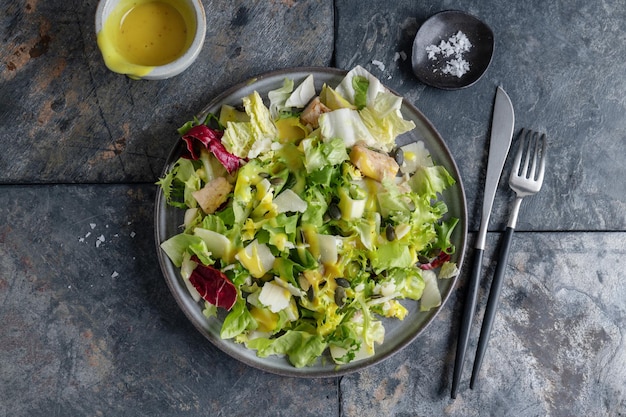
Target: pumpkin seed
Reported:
point(342, 282)
point(276, 181)
point(398, 155)
point(340, 296)
point(334, 212)
point(423, 259)
point(390, 233)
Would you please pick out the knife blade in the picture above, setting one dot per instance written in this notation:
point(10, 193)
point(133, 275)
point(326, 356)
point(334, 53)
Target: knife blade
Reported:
point(502, 124)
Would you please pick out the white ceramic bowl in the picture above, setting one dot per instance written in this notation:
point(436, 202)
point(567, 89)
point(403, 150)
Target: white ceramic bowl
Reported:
point(106, 7)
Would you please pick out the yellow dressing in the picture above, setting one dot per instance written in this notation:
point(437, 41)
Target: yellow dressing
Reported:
point(265, 319)
point(139, 35)
point(252, 261)
point(230, 114)
point(152, 34)
point(290, 129)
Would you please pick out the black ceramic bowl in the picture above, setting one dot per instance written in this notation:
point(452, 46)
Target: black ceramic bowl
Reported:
point(454, 64)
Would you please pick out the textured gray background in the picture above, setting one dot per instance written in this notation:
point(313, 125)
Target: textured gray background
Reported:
point(87, 324)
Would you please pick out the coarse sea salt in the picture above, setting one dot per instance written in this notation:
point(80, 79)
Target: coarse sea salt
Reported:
point(454, 49)
point(379, 64)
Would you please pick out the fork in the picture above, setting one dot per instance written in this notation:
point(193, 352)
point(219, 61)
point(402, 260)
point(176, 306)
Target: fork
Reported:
point(525, 180)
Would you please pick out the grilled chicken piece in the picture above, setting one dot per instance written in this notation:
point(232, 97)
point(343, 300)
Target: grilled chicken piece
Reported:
point(373, 164)
point(312, 112)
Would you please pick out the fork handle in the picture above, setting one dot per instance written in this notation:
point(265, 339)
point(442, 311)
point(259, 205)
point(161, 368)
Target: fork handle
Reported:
point(492, 303)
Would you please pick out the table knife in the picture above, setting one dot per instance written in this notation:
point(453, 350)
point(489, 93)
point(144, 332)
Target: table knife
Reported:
point(499, 143)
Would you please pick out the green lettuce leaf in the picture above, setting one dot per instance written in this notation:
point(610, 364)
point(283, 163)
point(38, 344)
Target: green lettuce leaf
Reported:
point(238, 320)
point(360, 85)
point(301, 347)
point(179, 184)
point(431, 180)
point(177, 245)
point(319, 155)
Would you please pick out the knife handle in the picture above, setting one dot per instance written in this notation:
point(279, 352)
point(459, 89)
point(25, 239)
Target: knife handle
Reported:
point(466, 320)
point(492, 303)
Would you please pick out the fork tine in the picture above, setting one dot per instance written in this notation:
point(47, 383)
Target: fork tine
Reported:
point(518, 156)
point(542, 156)
point(529, 154)
point(533, 166)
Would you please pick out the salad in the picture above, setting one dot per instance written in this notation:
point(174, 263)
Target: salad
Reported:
point(305, 226)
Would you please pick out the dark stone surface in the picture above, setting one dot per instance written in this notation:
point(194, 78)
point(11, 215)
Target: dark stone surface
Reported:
point(556, 348)
point(561, 65)
point(87, 324)
point(72, 120)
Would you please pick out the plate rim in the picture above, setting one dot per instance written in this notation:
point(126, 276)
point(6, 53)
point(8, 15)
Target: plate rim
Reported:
point(257, 362)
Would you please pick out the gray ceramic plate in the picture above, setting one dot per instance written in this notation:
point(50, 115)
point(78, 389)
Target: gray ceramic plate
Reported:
point(398, 333)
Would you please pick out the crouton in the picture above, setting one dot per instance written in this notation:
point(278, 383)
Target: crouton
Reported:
point(213, 194)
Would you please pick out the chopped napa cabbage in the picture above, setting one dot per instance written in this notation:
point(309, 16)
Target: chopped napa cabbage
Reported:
point(448, 270)
point(257, 258)
point(347, 125)
point(249, 139)
point(288, 201)
point(238, 138)
point(415, 155)
point(431, 297)
point(384, 120)
point(285, 98)
point(218, 244)
point(274, 296)
point(347, 90)
point(333, 100)
point(302, 94)
point(231, 114)
point(278, 98)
